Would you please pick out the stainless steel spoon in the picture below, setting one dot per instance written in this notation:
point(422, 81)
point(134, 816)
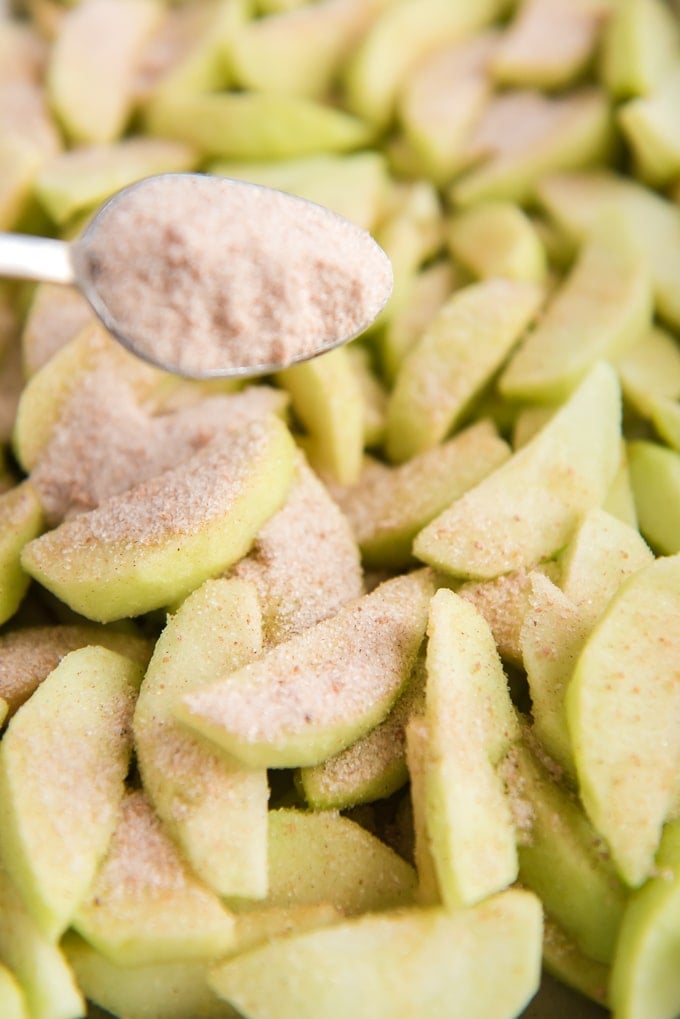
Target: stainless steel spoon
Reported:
point(44, 259)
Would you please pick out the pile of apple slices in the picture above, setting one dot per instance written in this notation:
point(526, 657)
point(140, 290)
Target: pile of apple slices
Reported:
point(356, 690)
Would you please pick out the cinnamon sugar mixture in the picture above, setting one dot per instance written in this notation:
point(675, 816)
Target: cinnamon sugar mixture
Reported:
point(206, 274)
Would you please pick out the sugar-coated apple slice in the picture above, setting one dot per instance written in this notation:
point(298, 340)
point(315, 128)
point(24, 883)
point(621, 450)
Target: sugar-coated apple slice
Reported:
point(455, 358)
point(655, 477)
point(77, 180)
point(529, 507)
point(645, 982)
point(21, 520)
point(91, 85)
point(557, 133)
point(650, 126)
point(164, 990)
point(29, 653)
point(327, 399)
point(305, 561)
point(302, 51)
point(561, 856)
point(503, 602)
point(145, 904)
point(407, 32)
point(389, 505)
point(602, 308)
point(54, 315)
point(470, 724)
point(576, 200)
point(354, 184)
point(215, 809)
point(374, 766)
point(498, 239)
point(63, 761)
point(12, 998)
point(324, 688)
point(549, 45)
point(255, 125)
point(623, 711)
point(443, 960)
point(564, 960)
point(40, 967)
point(640, 44)
point(152, 545)
point(428, 287)
point(322, 857)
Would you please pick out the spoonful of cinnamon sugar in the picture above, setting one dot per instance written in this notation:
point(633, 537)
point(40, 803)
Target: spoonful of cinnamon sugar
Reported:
point(206, 276)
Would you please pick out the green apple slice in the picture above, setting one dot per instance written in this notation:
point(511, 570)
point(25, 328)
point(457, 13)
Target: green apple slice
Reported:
point(548, 45)
point(29, 653)
point(75, 181)
point(576, 201)
point(164, 990)
point(442, 959)
point(90, 84)
point(561, 856)
point(623, 712)
point(40, 967)
point(655, 477)
point(498, 238)
point(640, 44)
point(324, 688)
point(328, 401)
point(645, 983)
point(650, 126)
point(56, 313)
point(21, 520)
point(470, 725)
point(63, 761)
point(322, 857)
point(152, 545)
point(428, 288)
point(454, 359)
point(564, 960)
point(524, 135)
point(600, 310)
point(529, 507)
point(214, 809)
point(11, 996)
point(389, 505)
point(145, 905)
point(649, 370)
point(374, 766)
point(255, 125)
point(305, 561)
point(407, 32)
point(666, 419)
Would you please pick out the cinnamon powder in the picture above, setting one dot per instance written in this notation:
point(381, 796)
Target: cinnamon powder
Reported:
point(207, 274)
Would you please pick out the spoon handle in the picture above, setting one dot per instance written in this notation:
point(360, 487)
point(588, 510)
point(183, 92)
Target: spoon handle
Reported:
point(23, 256)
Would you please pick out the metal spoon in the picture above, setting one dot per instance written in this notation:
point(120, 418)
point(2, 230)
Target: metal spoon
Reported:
point(44, 259)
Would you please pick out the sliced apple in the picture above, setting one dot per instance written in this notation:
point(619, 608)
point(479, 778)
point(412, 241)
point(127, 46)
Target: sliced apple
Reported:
point(470, 725)
point(443, 958)
point(126, 557)
point(528, 508)
point(11, 996)
point(640, 44)
point(21, 520)
point(602, 308)
point(145, 905)
point(655, 477)
point(63, 761)
point(650, 126)
point(215, 809)
point(455, 358)
point(324, 688)
point(389, 505)
point(429, 287)
point(498, 239)
point(623, 711)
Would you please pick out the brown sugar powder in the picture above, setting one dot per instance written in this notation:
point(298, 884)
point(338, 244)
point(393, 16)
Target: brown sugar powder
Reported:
point(208, 274)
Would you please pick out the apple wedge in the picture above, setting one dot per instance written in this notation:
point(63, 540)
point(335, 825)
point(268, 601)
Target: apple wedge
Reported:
point(63, 762)
point(623, 712)
point(498, 239)
point(151, 546)
point(145, 905)
point(215, 809)
point(21, 520)
point(327, 686)
point(640, 45)
point(655, 477)
point(11, 996)
point(529, 507)
point(379, 966)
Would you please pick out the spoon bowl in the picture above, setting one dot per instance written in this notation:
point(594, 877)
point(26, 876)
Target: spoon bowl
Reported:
point(206, 276)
